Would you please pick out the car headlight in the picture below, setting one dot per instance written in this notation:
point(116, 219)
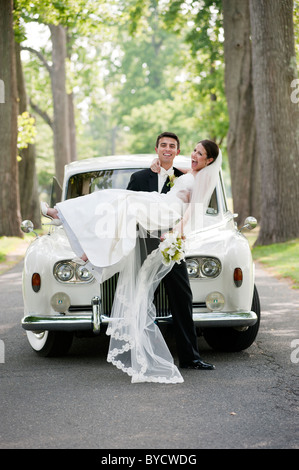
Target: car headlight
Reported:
point(69, 271)
point(192, 267)
point(83, 274)
point(64, 272)
point(211, 267)
point(203, 267)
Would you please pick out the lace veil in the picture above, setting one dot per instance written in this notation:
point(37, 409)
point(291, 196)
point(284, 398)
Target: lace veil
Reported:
point(205, 181)
point(136, 344)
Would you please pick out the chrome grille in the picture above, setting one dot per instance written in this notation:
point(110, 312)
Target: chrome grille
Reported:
point(108, 289)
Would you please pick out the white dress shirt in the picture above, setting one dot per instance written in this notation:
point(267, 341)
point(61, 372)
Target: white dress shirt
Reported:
point(162, 176)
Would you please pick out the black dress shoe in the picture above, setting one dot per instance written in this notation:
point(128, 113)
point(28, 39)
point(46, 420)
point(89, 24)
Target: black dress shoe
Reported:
point(197, 364)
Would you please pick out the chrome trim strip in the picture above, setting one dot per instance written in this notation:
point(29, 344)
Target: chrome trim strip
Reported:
point(224, 319)
point(85, 322)
point(57, 322)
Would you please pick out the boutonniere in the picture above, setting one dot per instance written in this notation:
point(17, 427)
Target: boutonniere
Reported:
point(171, 181)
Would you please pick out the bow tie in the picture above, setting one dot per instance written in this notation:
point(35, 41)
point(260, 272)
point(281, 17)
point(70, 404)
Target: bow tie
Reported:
point(164, 172)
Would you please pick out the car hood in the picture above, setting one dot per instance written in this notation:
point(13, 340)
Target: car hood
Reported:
point(214, 241)
point(54, 245)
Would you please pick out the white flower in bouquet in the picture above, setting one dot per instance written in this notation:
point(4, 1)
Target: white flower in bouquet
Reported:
point(172, 248)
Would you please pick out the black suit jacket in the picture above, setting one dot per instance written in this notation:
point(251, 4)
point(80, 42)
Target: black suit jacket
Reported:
point(147, 180)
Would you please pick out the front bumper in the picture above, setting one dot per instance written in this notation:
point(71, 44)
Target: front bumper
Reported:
point(93, 321)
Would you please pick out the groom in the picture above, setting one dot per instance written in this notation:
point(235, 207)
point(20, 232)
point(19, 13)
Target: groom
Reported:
point(176, 281)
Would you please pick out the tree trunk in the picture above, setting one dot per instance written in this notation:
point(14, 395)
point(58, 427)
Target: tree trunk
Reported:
point(63, 122)
point(60, 101)
point(28, 188)
point(277, 118)
point(10, 217)
point(71, 112)
point(72, 127)
point(241, 139)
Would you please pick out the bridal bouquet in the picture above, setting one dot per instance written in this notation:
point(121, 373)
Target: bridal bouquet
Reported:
point(172, 248)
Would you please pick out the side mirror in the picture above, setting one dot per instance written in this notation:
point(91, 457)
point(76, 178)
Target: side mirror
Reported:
point(27, 227)
point(249, 223)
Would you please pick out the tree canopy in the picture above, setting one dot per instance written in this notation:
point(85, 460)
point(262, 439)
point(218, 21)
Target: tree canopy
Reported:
point(106, 76)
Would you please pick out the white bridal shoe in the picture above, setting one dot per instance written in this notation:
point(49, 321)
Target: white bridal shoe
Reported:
point(44, 210)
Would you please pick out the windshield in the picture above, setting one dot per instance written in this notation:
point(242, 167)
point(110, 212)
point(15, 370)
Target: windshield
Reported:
point(86, 183)
point(89, 182)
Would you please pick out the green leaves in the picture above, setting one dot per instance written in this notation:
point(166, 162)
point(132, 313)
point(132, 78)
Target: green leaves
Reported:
point(26, 130)
point(137, 68)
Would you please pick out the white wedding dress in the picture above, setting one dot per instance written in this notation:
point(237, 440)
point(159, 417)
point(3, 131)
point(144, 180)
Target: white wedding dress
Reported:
point(104, 222)
point(103, 226)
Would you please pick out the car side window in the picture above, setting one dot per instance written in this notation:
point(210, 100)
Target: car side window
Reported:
point(223, 198)
point(213, 204)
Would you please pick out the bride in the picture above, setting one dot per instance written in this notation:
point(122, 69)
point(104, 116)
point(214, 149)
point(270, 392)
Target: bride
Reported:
point(101, 228)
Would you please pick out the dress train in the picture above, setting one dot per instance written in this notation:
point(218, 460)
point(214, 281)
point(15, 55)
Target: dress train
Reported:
point(137, 346)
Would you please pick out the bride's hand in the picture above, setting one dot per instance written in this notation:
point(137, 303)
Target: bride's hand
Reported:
point(155, 166)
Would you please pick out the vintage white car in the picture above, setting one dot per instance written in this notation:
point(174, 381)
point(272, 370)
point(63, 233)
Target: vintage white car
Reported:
point(63, 299)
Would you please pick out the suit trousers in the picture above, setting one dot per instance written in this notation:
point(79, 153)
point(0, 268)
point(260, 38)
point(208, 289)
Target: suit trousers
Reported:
point(180, 300)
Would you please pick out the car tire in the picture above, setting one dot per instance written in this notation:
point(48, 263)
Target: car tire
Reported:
point(50, 343)
point(232, 339)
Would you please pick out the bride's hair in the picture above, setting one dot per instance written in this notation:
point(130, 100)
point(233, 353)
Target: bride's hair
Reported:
point(211, 148)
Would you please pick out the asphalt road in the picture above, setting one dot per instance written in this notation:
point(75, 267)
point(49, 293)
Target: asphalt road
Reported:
point(251, 400)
